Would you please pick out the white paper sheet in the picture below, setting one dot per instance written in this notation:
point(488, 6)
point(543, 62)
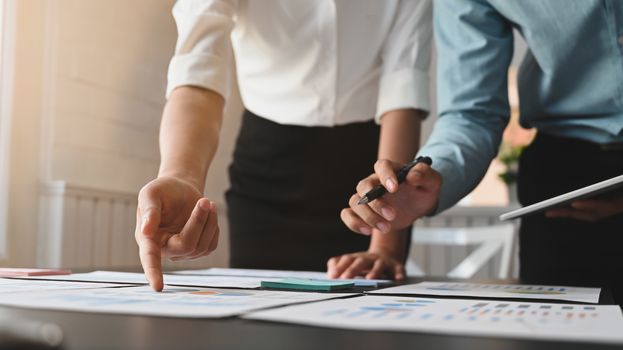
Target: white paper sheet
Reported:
point(508, 291)
point(169, 279)
point(590, 323)
point(12, 285)
point(172, 302)
point(278, 274)
point(217, 271)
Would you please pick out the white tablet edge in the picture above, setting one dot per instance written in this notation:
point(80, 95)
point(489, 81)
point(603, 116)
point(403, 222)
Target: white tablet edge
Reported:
point(562, 198)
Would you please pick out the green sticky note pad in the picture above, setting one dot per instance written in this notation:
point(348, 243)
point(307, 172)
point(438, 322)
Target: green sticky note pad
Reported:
point(308, 284)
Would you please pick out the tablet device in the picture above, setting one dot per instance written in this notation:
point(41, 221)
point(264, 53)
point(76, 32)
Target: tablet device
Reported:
point(602, 189)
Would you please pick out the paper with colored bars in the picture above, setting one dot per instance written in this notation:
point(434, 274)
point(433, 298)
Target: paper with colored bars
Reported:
point(172, 302)
point(486, 290)
point(589, 323)
point(264, 274)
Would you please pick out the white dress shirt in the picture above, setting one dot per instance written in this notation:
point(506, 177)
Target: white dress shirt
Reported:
point(307, 62)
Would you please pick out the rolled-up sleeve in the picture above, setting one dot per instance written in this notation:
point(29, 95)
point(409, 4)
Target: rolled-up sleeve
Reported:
point(404, 79)
point(474, 46)
point(203, 51)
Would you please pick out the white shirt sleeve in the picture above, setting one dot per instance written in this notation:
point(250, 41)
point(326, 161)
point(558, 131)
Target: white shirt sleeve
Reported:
point(406, 59)
point(203, 50)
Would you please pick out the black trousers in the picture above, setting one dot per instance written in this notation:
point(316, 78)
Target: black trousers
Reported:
point(288, 186)
point(567, 251)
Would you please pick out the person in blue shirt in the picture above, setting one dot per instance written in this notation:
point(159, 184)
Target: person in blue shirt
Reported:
point(570, 89)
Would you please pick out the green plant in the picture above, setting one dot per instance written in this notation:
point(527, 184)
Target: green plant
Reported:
point(509, 156)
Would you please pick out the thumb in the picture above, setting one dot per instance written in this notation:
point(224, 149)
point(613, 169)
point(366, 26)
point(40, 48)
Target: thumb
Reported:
point(425, 176)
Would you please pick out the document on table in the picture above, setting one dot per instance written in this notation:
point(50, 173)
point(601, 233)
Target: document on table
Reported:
point(169, 279)
point(508, 291)
point(11, 285)
point(172, 302)
point(586, 323)
point(264, 274)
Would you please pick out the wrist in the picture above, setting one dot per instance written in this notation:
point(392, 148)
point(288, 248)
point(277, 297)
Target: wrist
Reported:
point(185, 177)
point(391, 244)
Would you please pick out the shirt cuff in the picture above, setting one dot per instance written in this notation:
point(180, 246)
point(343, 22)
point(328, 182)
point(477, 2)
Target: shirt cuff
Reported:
point(452, 188)
point(202, 70)
point(403, 89)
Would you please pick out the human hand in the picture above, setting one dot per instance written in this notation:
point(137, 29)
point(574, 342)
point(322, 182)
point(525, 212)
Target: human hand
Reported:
point(371, 264)
point(404, 203)
point(589, 209)
point(173, 220)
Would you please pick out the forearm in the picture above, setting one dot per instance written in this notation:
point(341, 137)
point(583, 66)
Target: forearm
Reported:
point(399, 142)
point(400, 135)
point(189, 134)
point(474, 51)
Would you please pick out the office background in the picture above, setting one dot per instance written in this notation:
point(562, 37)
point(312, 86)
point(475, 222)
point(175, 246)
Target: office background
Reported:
point(80, 104)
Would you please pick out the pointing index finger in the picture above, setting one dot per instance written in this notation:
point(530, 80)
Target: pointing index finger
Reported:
point(150, 255)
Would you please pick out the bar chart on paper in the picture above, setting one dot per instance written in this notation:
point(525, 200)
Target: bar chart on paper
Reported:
point(591, 323)
point(172, 302)
point(491, 290)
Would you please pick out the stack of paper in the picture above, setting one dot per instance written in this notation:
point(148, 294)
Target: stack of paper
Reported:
point(390, 309)
point(278, 274)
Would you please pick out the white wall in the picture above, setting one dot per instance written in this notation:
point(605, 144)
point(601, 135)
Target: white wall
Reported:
point(106, 76)
point(25, 126)
point(89, 90)
point(7, 28)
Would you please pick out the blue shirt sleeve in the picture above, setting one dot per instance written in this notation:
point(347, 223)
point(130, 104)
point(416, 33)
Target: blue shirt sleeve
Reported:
point(474, 49)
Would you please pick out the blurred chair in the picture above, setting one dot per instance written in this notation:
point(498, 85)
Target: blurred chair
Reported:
point(488, 241)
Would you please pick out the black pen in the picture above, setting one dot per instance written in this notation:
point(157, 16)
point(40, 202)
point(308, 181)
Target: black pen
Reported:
point(379, 190)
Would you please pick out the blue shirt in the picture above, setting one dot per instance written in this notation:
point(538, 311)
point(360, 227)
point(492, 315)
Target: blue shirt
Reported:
point(570, 82)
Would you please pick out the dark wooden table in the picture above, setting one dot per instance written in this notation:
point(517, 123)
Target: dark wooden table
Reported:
point(90, 331)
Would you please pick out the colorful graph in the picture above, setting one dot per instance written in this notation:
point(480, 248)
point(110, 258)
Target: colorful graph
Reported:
point(600, 323)
point(398, 308)
point(497, 312)
point(221, 294)
point(478, 311)
point(486, 290)
point(518, 289)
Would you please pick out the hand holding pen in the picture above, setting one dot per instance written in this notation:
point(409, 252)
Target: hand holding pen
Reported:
point(401, 175)
point(409, 192)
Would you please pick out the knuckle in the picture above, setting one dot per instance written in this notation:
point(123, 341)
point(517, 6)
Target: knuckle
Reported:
point(370, 218)
point(347, 217)
point(346, 260)
point(382, 166)
point(343, 214)
point(380, 163)
point(187, 246)
point(362, 183)
point(146, 190)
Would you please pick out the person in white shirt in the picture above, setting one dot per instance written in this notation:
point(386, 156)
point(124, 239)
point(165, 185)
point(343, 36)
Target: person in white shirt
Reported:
point(317, 78)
